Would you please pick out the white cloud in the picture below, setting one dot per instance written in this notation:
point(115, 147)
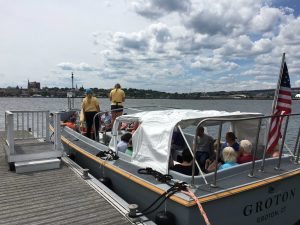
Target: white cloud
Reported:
point(267, 19)
point(221, 17)
point(213, 64)
point(154, 9)
point(76, 67)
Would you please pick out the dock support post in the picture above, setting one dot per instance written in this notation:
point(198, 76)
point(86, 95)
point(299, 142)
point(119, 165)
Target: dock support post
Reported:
point(57, 132)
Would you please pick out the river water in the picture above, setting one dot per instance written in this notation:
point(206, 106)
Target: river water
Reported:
point(58, 104)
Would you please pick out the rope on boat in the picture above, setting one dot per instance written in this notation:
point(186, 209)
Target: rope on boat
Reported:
point(193, 196)
point(108, 155)
point(163, 178)
point(175, 187)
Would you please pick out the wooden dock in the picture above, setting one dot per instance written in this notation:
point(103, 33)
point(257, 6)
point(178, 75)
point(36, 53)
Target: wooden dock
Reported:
point(57, 196)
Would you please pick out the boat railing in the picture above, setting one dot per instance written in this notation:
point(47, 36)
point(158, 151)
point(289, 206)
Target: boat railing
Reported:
point(30, 126)
point(220, 121)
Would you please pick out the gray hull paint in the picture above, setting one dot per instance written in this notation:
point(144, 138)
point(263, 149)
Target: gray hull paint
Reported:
point(276, 203)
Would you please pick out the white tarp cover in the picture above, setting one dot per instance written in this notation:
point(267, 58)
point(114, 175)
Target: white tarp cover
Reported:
point(152, 140)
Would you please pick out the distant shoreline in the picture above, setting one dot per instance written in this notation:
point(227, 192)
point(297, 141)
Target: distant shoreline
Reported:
point(203, 98)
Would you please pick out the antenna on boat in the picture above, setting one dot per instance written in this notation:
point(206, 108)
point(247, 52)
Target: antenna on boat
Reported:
point(72, 90)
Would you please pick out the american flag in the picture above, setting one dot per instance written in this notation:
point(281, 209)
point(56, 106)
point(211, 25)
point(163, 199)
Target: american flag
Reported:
point(283, 106)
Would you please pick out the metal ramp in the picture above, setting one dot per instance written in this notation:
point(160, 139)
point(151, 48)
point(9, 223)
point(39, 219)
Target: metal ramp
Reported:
point(28, 146)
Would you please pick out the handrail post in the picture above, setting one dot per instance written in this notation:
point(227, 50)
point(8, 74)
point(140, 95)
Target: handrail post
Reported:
point(214, 184)
point(47, 126)
point(251, 174)
point(23, 132)
point(262, 167)
point(57, 132)
point(99, 114)
point(10, 132)
point(17, 121)
point(283, 139)
point(296, 144)
point(194, 159)
point(297, 157)
point(43, 124)
point(37, 124)
point(32, 124)
point(27, 117)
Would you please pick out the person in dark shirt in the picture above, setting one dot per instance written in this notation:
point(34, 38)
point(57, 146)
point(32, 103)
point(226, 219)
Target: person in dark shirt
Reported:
point(186, 166)
point(231, 142)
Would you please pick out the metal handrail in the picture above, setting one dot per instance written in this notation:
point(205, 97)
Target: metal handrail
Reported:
point(12, 124)
point(251, 174)
point(230, 119)
point(38, 128)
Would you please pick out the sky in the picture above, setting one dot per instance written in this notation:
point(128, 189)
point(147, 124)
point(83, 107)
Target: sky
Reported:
point(170, 45)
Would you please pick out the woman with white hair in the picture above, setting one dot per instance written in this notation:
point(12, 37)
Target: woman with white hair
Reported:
point(246, 152)
point(229, 157)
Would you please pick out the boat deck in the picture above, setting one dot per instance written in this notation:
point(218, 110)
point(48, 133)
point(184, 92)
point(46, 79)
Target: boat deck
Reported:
point(57, 196)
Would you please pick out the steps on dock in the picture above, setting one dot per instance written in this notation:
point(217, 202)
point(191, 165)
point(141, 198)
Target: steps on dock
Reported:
point(37, 165)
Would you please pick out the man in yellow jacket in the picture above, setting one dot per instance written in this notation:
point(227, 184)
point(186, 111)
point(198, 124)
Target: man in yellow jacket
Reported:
point(117, 98)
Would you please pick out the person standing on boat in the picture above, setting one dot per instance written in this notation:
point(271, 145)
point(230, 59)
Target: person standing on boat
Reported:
point(90, 107)
point(117, 98)
point(205, 149)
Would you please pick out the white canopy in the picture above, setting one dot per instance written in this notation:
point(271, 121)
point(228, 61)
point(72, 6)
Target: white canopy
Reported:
point(152, 139)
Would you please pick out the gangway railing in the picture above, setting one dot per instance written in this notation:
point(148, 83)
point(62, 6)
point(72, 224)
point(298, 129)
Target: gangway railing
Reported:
point(220, 121)
point(28, 124)
point(28, 127)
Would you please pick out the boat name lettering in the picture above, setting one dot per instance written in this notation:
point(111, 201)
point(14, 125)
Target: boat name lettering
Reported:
point(272, 201)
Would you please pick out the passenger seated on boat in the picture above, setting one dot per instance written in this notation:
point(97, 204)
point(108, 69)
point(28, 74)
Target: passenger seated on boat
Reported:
point(74, 116)
point(186, 166)
point(71, 124)
point(129, 148)
point(123, 144)
point(231, 141)
point(229, 157)
point(132, 127)
point(204, 147)
point(177, 145)
point(106, 121)
point(211, 163)
point(275, 153)
point(245, 152)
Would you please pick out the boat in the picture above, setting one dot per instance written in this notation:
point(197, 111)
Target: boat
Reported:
point(263, 191)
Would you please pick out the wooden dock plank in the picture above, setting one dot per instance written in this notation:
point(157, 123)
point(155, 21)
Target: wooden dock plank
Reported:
point(51, 197)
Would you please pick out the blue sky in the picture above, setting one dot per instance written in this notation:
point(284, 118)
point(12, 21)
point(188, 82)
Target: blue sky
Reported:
point(170, 45)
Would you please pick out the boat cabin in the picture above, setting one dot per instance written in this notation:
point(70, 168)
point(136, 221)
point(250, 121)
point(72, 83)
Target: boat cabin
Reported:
point(152, 140)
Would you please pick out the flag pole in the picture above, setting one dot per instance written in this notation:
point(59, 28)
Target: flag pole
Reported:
point(273, 110)
point(278, 84)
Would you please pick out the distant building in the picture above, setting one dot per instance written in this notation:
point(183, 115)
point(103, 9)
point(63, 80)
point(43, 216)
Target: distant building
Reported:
point(34, 85)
